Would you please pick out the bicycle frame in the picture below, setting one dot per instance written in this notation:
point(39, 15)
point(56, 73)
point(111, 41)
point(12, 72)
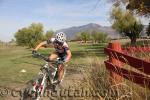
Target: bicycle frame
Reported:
point(46, 77)
point(48, 72)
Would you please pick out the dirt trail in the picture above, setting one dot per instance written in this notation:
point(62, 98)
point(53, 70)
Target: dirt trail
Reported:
point(73, 80)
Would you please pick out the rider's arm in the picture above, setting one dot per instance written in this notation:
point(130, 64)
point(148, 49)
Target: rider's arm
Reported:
point(40, 45)
point(68, 56)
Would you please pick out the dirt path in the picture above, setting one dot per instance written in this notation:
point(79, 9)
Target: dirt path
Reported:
point(69, 89)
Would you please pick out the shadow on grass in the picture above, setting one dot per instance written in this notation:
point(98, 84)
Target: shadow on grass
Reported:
point(90, 50)
point(82, 54)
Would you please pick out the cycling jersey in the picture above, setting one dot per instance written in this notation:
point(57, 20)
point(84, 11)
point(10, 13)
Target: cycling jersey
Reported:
point(61, 49)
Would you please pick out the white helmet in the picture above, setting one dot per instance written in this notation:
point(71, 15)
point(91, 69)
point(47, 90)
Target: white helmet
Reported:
point(61, 37)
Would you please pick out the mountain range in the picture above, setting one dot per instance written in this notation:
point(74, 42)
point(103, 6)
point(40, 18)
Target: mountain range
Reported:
point(112, 33)
point(72, 31)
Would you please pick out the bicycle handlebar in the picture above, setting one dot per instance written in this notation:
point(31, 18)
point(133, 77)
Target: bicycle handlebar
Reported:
point(35, 53)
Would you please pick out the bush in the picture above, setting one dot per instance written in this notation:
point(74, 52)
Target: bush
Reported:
point(30, 36)
point(99, 37)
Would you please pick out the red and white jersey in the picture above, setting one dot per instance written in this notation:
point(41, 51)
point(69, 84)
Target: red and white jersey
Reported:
point(59, 48)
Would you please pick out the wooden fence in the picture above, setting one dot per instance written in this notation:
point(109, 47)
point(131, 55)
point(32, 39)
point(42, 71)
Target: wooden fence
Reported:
point(117, 59)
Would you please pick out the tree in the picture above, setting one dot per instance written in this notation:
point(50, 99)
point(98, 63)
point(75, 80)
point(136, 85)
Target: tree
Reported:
point(126, 23)
point(94, 36)
point(49, 34)
point(84, 36)
point(141, 7)
point(30, 36)
point(98, 36)
point(22, 37)
point(103, 37)
point(148, 30)
point(35, 34)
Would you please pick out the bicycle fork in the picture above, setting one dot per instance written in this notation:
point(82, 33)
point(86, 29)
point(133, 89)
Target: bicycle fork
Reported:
point(42, 85)
point(39, 87)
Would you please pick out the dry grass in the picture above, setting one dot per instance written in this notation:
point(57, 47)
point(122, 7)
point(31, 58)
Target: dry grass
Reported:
point(97, 78)
point(89, 58)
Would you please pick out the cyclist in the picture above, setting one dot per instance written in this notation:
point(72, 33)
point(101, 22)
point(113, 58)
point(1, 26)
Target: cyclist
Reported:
point(61, 50)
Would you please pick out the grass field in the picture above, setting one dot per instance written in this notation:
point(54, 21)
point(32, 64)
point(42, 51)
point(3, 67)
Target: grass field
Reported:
point(14, 58)
point(86, 66)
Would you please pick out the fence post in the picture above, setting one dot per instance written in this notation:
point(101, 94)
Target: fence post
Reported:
point(115, 78)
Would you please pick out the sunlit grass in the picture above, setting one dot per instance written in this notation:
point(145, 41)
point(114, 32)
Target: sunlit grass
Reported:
point(89, 58)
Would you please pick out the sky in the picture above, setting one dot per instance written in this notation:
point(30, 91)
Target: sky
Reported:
point(53, 14)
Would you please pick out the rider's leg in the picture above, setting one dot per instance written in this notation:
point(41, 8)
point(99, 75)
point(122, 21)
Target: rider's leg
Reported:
point(60, 72)
point(53, 56)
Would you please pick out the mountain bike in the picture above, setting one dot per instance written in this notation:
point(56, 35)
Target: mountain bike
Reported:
point(47, 77)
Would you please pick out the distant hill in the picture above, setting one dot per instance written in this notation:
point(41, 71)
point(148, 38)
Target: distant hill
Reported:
point(72, 31)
